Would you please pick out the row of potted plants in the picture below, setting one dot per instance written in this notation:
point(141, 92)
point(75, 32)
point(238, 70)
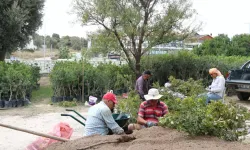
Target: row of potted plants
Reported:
point(67, 80)
point(17, 80)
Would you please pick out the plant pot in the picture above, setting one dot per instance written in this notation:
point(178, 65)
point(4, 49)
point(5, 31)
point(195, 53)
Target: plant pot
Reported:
point(19, 103)
point(1, 104)
point(78, 97)
point(14, 103)
point(26, 102)
point(7, 104)
point(69, 98)
point(53, 99)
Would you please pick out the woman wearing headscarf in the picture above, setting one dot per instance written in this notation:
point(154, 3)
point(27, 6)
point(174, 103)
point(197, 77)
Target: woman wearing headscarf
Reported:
point(216, 89)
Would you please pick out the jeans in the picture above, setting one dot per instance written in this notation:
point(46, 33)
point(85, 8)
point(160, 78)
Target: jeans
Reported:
point(210, 96)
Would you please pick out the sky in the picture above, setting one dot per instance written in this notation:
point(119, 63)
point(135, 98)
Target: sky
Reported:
point(217, 16)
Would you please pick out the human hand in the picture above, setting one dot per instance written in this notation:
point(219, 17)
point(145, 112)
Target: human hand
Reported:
point(150, 124)
point(208, 89)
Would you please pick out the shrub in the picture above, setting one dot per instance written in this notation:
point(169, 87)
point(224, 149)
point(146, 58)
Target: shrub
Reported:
point(130, 105)
point(184, 65)
point(68, 104)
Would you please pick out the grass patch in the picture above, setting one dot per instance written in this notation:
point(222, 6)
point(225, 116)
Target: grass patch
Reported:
point(44, 92)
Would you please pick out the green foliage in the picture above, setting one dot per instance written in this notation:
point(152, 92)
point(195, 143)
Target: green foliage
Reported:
point(226, 121)
point(130, 105)
point(64, 53)
point(130, 25)
point(68, 104)
point(184, 65)
point(66, 79)
point(19, 20)
point(222, 45)
point(188, 88)
point(17, 80)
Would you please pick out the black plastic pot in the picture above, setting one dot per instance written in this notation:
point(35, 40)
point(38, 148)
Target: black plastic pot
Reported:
point(26, 102)
point(55, 99)
point(79, 97)
point(19, 103)
point(7, 104)
point(69, 98)
point(14, 103)
point(1, 104)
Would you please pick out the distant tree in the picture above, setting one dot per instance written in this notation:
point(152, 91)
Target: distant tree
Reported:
point(55, 40)
point(65, 41)
point(37, 40)
point(219, 45)
point(133, 27)
point(240, 45)
point(19, 19)
point(77, 43)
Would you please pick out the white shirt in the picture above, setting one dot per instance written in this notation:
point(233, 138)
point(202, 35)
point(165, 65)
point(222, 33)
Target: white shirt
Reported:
point(218, 86)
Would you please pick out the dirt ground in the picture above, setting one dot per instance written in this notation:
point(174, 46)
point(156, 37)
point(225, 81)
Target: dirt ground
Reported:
point(155, 138)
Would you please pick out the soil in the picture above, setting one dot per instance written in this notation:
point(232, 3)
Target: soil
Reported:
point(155, 138)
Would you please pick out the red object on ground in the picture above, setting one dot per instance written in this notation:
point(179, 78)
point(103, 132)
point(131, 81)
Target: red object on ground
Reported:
point(62, 130)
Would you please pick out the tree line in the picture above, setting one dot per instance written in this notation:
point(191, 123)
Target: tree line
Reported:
point(238, 45)
point(56, 42)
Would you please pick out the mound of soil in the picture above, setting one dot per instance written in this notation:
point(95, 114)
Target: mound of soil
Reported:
point(154, 138)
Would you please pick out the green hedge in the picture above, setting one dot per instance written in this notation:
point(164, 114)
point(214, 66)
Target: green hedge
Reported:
point(184, 65)
point(17, 80)
point(66, 79)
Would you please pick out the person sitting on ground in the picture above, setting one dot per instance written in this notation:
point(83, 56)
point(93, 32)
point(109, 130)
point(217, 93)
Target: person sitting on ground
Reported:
point(100, 119)
point(149, 111)
point(142, 84)
point(216, 89)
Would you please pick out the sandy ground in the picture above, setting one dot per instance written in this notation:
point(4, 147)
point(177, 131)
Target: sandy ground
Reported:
point(155, 138)
point(40, 118)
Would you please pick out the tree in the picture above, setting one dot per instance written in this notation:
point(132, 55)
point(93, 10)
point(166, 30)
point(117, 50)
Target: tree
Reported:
point(65, 41)
point(55, 40)
point(18, 21)
point(37, 40)
point(219, 45)
point(240, 45)
point(133, 27)
point(77, 43)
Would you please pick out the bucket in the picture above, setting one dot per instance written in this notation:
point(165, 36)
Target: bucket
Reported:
point(92, 100)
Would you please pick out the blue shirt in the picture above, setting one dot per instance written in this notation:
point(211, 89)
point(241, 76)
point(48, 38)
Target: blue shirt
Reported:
point(99, 119)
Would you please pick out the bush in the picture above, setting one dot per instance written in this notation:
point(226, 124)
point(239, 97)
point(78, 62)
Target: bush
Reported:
point(184, 65)
point(67, 78)
point(130, 105)
point(68, 104)
point(17, 80)
point(194, 117)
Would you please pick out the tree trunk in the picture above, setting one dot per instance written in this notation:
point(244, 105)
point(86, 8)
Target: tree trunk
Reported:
point(137, 66)
point(2, 55)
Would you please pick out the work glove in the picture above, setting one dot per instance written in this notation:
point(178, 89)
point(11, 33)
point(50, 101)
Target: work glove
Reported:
point(150, 124)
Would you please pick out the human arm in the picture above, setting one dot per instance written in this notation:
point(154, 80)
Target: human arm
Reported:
point(110, 122)
point(220, 86)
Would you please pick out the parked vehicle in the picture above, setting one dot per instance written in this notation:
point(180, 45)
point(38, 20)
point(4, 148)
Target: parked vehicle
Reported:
point(238, 82)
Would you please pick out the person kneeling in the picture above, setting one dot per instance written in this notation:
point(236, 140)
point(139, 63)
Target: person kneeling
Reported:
point(149, 111)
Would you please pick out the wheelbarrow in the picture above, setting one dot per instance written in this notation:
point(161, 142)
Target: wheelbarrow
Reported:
point(121, 119)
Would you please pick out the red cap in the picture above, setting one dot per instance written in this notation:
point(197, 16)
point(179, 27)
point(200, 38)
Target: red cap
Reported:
point(110, 96)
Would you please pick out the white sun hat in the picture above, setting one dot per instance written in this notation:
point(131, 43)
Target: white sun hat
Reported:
point(153, 94)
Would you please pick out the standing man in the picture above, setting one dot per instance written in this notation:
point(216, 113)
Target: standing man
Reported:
point(216, 89)
point(142, 84)
point(100, 119)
